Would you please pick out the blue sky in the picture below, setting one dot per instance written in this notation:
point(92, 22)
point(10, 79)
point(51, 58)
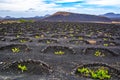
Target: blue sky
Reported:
point(30, 8)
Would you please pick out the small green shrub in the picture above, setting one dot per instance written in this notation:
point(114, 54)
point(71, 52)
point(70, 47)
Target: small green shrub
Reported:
point(84, 71)
point(22, 21)
point(17, 36)
point(71, 35)
point(105, 39)
point(15, 50)
point(59, 52)
point(23, 41)
point(99, 53)
point(22, 67)
point(106, 45)
point(80, 38)
point(100, 73)
point(37, 37)
point(48, 42)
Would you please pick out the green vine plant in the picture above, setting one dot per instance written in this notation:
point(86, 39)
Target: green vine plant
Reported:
point(23, 41)
point(84, 71)
point(48, 42)
point(22, 67)
point(17, 36)
point(59, 52)
point(99, 54)
point(100, 73)
point(105, 39)
point(37, 37)
point(80, 38)
point(106, 45)
point(15, 50)
point(71, 35)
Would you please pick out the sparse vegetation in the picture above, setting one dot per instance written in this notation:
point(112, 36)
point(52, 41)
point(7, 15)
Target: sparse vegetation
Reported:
point(22, 67)
point(106, 45)
point(84, 71)
point(64, 44)
point(23, 41)
point(80, 38)
point(59, 52)
point(37, 36)
point(15, 50)
point(99, 54)
point(17, 36)
point(100, 73)
point(23, 21)
point(105, 39)
point(48, 42)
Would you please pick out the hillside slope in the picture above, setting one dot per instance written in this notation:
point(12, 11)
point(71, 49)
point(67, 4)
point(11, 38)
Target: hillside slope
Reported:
point(75, 17)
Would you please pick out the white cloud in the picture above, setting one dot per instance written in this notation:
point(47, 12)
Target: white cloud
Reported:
point(63, 1)
point(23, 5)
point(104, 2)
point(39, 7)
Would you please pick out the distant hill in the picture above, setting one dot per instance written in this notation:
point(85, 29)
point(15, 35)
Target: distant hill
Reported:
point(112, 16)
point(8, 17)
point(27, 18)
point(1, 17)
point(75, 17)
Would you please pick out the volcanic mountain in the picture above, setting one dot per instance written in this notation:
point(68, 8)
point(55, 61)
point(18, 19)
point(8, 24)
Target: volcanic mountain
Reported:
point(75, 17)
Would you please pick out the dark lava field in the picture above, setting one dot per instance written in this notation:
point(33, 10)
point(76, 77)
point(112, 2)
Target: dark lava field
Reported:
point(59, 51)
